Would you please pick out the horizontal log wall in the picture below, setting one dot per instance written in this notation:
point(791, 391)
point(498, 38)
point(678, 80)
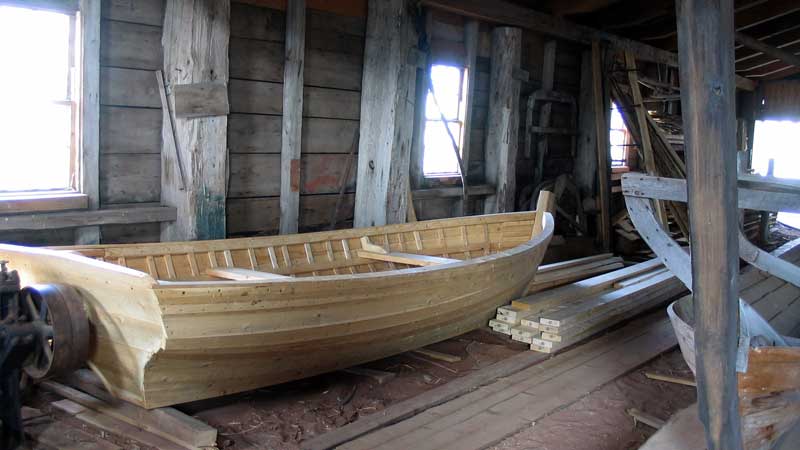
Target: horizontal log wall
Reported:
point(333, 62)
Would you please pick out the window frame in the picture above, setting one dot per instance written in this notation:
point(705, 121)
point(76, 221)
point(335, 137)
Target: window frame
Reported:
point(447, 177)
point(83, 98)
point(627, 142)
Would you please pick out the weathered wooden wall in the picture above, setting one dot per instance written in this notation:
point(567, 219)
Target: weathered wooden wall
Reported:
point(130, 112)
point(447, 47)
point(333, 60)
point(130, 116)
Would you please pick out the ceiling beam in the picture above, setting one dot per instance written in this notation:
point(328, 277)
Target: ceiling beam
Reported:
point(775, 52)
point(502, 12)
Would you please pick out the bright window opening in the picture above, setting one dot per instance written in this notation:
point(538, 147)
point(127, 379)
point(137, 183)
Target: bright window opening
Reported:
point(445, 107)
point(37, 112)
point(618, 137)
point(777, 140)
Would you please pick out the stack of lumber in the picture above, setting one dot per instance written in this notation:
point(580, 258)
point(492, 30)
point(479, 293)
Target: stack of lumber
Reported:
point(550, 276)
point(558, 274)
point(560, 317)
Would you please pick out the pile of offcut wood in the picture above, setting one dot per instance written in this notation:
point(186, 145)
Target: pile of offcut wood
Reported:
point(557, 318)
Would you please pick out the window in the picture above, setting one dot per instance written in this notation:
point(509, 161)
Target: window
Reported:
point(444, 109)
point(777, 140)
point(618, 137)
point(39, 113)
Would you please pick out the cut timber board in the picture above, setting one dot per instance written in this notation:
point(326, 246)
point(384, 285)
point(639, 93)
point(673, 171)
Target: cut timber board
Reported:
point(48, 434)
point(167, 423)
point(116, 427)
point(583, 288)
point(572, 313)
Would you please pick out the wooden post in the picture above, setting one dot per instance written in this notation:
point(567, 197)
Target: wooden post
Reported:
point(585, 159)
point(417, 177)
point(548, 83)
point(471, 36)
point(387, 107)
point(601, 138)
point(502, 125)
point(292, 115)
point(705, 42)
point(89, 179)
point(644, 131)
point(195, 41)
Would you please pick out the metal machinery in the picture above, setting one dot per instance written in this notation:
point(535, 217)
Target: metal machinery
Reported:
point(44, 331)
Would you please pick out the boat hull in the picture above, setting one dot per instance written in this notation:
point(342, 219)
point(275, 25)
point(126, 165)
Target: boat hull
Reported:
point(769, 391)
point(162, 342)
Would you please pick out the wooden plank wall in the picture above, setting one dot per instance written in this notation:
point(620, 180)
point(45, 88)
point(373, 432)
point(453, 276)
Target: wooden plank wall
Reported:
point(333, 61)
point(447, 47)
point(130, 123)
point(130, 112)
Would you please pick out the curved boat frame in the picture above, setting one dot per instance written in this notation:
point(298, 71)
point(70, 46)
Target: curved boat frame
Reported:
point(167, 332)
point(768, 387)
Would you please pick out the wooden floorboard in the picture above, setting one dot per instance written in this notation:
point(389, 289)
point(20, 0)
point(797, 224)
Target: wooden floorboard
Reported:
point(432, 398)
point(486, 416)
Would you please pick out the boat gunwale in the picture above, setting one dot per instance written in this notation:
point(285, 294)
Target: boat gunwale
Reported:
point(545, 234)
point(70, 252)
point(291, 239)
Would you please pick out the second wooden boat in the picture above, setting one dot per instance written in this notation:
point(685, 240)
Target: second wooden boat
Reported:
point(176, 322)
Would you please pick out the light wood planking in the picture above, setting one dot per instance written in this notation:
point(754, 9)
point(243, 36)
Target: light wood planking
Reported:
point(183, 335)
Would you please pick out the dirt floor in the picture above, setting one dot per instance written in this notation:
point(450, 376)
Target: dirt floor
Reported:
point(599, 421)
point(279, 417)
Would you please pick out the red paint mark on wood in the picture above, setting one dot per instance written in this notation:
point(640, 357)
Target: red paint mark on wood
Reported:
point(294, 175)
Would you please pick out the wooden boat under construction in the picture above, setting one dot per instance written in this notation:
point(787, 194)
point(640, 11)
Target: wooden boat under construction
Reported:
point(176, 322)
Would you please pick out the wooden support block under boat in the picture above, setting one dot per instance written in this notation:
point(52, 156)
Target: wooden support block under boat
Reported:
point(165, 332)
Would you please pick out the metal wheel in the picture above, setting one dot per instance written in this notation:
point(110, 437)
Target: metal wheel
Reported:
point(62, 329)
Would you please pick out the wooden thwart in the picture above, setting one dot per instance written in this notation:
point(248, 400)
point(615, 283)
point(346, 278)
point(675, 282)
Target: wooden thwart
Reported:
point(235, 273)
point(406, 258)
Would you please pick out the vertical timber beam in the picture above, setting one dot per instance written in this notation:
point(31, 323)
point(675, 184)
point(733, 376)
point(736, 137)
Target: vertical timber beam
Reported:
point(292, 115)
point(471, 37)
point(89, 164)
point(502, 126)
point(585, 159)
point(195, 41)
point(599, 94)
point(644, 131)
point(417, 176)
point(705, 42)
point(387, 110)
point(548, 83)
